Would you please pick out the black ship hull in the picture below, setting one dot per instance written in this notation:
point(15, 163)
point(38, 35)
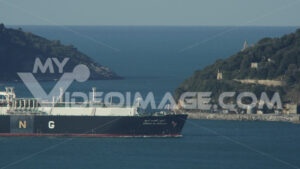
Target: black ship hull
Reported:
point(92, 126)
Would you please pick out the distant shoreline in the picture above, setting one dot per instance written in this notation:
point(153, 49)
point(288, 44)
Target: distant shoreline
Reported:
point(295, 118)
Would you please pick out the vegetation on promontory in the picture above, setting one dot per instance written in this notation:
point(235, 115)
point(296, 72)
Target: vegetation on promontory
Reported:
point(19, 50)
point(270, 59)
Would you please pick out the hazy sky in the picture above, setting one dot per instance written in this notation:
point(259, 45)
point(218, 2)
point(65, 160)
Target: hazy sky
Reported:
point(150, 12)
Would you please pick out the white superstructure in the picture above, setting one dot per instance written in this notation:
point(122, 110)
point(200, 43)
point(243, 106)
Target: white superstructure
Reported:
point(12, 105)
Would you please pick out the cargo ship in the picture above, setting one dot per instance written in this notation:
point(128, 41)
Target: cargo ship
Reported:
point(32, 117)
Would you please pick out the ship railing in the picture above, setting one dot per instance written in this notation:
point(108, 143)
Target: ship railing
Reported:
point(78, 104)
point(71, 104)
point(22, 105)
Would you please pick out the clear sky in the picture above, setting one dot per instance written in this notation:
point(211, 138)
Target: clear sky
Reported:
point(150, 12)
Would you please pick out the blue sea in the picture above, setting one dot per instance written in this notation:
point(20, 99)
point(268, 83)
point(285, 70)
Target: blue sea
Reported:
point(157, 59)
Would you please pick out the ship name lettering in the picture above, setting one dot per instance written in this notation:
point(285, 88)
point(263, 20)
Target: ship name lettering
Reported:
point(154, 122)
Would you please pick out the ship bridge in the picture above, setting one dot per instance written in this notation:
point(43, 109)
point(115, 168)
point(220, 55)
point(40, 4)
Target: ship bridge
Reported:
point(9, 94)
point(13, 104)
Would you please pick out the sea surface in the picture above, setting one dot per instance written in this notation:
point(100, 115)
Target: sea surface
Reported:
point(157, 59)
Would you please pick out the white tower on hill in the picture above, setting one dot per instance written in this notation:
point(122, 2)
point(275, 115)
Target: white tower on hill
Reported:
point(245, 46)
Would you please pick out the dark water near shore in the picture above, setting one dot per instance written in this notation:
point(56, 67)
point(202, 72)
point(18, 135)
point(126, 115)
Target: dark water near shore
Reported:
point(158, 59)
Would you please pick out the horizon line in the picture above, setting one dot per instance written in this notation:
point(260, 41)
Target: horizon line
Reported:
point(156, 25)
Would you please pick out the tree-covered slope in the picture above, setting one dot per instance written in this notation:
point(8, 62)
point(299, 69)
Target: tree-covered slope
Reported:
point(276, 59)
point(18, 51)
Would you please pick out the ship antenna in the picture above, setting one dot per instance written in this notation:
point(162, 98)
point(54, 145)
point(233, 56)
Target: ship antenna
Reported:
point(61, 93)
point(94, 92)
point(138, 101)
point(53, 101)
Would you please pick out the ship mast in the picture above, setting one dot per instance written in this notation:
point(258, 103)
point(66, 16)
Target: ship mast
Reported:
point(94, 93)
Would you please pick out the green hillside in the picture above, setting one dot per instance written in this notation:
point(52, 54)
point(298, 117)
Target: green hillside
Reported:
point(19, 49)
point(271, 59)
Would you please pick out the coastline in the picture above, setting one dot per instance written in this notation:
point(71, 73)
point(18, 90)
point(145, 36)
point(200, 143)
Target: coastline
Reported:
point(295, 118)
